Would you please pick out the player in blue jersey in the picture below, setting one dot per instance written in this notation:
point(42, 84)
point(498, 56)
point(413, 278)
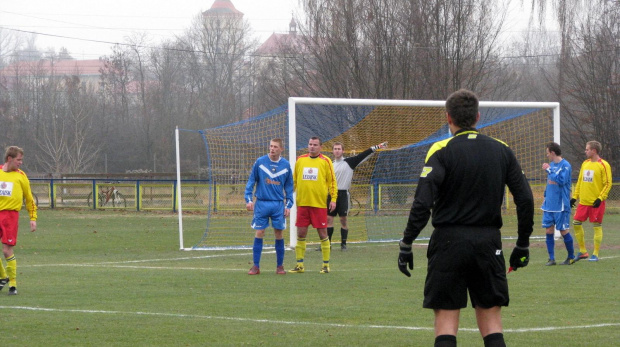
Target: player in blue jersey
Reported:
point(556, 206)
point(273, 178)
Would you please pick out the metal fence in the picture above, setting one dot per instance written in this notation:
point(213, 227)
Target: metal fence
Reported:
point(196, 194)
point(120, 194)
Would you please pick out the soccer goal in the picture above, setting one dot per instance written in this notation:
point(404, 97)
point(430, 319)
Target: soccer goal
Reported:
point(383, 186)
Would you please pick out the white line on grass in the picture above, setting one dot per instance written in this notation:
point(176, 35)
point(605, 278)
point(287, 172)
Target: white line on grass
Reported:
point(150, 260)
point(119, 264)
point(270, 321)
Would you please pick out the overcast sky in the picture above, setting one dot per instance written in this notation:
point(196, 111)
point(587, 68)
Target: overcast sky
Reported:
point(79, 24)
point(88, 28)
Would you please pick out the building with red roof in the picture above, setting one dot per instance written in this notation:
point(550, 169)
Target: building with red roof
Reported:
point(222, 8)
point(89, 71)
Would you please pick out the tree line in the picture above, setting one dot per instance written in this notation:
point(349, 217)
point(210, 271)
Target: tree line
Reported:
point(382, 49)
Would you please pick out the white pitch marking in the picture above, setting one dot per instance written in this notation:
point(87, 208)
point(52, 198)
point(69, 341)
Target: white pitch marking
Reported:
point(151, 260)
point(338, 325)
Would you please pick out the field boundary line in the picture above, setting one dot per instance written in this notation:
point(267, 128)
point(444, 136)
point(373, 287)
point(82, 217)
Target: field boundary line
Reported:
point(270, 321)
point(148, 260)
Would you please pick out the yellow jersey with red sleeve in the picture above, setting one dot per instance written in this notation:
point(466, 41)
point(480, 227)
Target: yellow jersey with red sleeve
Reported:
point(594, 182)
point(314, 180)
point(14, 187)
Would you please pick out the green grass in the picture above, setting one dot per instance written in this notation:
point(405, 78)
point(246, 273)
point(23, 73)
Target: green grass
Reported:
point(118, 279)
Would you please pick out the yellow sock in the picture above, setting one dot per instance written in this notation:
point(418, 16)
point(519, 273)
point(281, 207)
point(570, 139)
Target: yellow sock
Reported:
point(325, 250)
point(11, 270)
point(598, 238)
point(2, 271)
point(300, 250)
point(580, 236)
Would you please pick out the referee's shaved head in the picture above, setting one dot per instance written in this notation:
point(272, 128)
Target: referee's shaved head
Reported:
point(462, 106)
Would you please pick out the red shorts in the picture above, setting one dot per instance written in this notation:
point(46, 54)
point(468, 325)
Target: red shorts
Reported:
point(307, 215)
point(9, 221)
point(588, 212)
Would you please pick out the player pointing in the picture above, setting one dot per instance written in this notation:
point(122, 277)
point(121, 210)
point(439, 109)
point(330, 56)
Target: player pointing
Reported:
point(343, 168)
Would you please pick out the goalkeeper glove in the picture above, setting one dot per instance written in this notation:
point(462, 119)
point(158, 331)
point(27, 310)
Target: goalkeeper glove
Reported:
point(520, 257)
point(596, 203)
point(382, 145)
point(572, 202)
point(405, 257)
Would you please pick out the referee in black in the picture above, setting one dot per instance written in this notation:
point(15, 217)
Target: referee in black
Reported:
point(463, 183)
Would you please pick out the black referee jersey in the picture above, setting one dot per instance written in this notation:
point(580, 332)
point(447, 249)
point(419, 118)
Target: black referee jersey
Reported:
point(463, 183)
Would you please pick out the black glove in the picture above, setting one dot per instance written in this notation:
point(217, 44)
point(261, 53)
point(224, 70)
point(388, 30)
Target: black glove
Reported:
point(405, 257)
point(519, 257)
point(572, 202)
point(596, 203)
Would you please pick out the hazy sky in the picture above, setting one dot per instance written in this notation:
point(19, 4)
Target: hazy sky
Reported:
point(79, 24)
point(89, 28)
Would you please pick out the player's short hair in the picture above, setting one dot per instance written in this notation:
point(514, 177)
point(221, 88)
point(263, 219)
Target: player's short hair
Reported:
point(595, 145)
point(462, 106)
point(12, 151)
point(278, 141)
point(316, 138)
point(338, 144)
point(555, 148)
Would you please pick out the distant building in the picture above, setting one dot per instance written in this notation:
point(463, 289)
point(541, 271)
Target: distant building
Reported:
point(87, 70)
point(222, 8)
point(278, 44)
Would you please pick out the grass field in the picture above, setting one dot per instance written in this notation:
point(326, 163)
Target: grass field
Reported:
point(106, 278)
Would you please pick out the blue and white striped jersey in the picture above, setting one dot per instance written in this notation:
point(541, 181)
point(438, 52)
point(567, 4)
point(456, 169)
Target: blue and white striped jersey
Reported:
point(273, 181)
point(558, 191)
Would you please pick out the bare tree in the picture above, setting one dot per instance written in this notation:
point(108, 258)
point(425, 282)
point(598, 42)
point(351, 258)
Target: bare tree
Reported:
point(82, 146)
point(115, 79)
point(592, 84)
point(396, 49)
point(218, 47)
point(9, 44)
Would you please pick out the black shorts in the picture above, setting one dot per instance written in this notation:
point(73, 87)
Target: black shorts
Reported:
point(462, 259)
point(342, 204)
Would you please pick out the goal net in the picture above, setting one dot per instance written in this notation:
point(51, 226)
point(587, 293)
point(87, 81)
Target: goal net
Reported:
point(383, 186)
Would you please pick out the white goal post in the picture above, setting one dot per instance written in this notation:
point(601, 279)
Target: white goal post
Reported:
point(292, 125)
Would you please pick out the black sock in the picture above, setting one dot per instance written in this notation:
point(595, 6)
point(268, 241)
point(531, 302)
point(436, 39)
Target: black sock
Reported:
point(445, 341)
point(494, 340)
point(344, 234)
point(330, 232)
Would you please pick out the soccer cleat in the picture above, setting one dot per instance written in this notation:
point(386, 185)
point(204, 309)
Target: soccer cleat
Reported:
point(581, 256)
point(568, 261)
point(255, 270)
point(3, 282)
point(324, 269)
point(593, 258)
point(550, 262)
point(12, 291)
point(299, 269)
point(343, 247)
point(280, 270)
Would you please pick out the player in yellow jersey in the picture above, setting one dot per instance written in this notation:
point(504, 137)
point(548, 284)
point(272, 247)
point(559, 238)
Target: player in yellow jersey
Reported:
point(14, 187)
point(592, 189)
point(313, 180)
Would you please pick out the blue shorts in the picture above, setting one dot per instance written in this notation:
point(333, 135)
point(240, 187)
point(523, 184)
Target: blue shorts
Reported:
point(265, 209)
point(561, 220)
